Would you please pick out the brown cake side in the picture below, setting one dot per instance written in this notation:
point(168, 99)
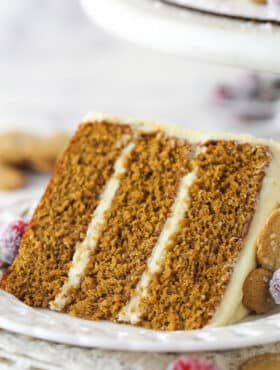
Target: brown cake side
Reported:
point(62, 217)
point(133, 225)
point(199, 262)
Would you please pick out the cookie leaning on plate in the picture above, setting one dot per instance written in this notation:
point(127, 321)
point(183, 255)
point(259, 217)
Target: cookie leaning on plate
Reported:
point(256, 296)
point(261, 300)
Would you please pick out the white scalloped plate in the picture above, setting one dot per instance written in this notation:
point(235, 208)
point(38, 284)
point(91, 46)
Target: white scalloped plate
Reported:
point(49, 325)
point(177, 30)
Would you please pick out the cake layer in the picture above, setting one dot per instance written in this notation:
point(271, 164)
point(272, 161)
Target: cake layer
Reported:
point(84, 249)
point(199, 262)
point(149, 224)
point(131, 312)
point(132, 226)
point(62, 218)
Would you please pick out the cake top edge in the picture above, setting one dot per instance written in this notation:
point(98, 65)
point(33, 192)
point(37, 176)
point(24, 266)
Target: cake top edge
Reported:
point(180, 132)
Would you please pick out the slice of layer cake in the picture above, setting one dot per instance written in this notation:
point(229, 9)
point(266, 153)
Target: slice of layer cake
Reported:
point(148, 224)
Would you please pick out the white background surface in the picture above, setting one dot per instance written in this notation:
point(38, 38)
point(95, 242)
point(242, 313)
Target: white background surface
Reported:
point(55, 66)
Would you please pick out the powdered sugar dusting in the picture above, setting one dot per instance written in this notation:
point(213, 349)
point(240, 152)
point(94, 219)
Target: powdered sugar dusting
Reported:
point(10, 238)
point(274, 286)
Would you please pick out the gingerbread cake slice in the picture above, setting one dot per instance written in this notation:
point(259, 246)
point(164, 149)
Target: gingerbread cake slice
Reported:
point(148, 224)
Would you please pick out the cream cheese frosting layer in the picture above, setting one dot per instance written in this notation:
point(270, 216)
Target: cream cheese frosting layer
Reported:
point(84, 249)
point(182, 133)
point(231, 309)
point(131, 313)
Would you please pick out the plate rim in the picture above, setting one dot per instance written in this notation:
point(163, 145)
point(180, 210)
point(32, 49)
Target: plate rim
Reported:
point(201, 340)
point(45, 324)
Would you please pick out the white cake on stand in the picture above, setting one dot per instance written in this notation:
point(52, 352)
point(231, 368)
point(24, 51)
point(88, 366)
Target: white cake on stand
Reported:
point(233, 33)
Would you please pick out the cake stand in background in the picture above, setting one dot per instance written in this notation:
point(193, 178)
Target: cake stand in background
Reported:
point(169, 27)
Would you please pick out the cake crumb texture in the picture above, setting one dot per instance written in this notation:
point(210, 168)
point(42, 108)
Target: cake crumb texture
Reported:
point(62, 217)
point(132, 227)
point(199, 262)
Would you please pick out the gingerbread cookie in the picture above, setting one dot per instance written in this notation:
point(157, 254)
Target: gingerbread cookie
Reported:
point(39, 153)
point(15, 147)
point(268, 246)
point(256, 296)
point(11, 178)
point(46, 150)
point(267, 361)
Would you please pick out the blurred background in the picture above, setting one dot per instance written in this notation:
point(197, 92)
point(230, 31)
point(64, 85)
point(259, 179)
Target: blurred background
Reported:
point(55, 66)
